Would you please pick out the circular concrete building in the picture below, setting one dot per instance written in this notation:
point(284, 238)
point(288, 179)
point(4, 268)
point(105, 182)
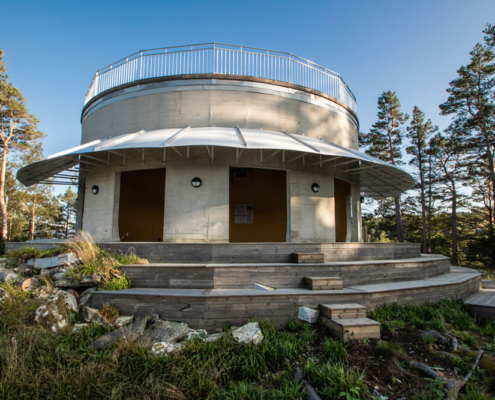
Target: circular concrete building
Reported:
point(215, 144)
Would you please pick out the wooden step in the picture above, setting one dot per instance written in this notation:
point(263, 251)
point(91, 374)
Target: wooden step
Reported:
point(303, 258)
point(343, 311)
point(353, 329)
point(323, 283)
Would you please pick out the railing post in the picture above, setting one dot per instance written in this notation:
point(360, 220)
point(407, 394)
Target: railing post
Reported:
point(140, 65)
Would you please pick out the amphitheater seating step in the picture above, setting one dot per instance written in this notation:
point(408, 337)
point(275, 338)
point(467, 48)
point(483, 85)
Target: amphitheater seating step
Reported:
point(324, 283)
point(303, 258)
point(343, 311)
point(353, 328)
point(482, 303)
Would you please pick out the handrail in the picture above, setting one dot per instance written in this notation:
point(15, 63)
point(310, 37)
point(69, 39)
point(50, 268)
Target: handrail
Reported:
point(218, 58)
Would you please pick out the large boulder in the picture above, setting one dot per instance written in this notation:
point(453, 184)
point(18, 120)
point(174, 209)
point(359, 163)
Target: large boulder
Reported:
point(249, 333)
point(130, 333)
point(86, 297)
point(164, 331)
point(56, 312)
point(7, 275)
point(122, 321)
point(52, 262)
point(89, 281)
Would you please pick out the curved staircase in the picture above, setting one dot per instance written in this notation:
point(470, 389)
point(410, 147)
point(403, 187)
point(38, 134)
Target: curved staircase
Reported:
point(209, 294)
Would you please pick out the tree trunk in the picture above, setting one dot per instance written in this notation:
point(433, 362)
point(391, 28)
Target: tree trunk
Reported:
point(430, 195)
point(454, 227)
point(423, 205)
point(398, 215)
point(3, 203)
point(490, 163)
point(67, 223)
point(33, 215)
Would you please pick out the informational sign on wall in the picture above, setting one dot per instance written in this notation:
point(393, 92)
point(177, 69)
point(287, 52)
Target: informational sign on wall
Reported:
point(244, 214)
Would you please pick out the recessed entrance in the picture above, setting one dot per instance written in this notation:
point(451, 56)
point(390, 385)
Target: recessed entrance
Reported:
point(342, 190)
point(141, 205)
point(258, 205)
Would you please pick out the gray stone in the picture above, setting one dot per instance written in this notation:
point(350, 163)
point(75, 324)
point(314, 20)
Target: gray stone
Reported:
point(164, 348)
point(164, 331)
point(249, 333)
point(56, 313)
point(44, 292)
point(92, 315)
point(310, 315)
point(52, 262)
point(86, 297)
point(8, 276)
point(84, 282)
point(122, 321)
point(129, 333)
point(79, 327)
point(213, 337)
point(196, 334)
point(58, 276)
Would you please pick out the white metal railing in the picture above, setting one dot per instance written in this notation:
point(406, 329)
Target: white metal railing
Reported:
point(217, 58)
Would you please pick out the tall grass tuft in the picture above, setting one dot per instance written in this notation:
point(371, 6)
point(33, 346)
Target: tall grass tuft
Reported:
point(84, 246)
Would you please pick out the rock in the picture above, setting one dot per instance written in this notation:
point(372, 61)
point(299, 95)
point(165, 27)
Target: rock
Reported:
point(164, 331)
point(84, 282)
point(122, 321)
point(73, 293)
point(30, 284)
point(92, 315)
point(213, 337)
point(44, 292)
point(130, 333)
point(56, 313)
point(52, 262)
point(3, 294)
point(79, 327)
point(164, 348)
point(196, 334)
point(58, 276)
point(86, 297)
point(24, 270)
point(8, 276)
point(249, 333)
point(309, 314)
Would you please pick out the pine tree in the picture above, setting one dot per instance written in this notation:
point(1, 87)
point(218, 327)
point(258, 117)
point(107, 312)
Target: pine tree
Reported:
point(419, 133)
point(384, 140)
point(67, 204)
point(17, 128)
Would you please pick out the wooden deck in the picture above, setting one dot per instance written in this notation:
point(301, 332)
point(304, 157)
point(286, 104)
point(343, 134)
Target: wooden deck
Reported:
point(249, 252)
point(211, 308)
point(482, 303)
point(281, 275)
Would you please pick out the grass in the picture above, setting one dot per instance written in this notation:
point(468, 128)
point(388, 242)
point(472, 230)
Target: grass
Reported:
point(388, 351)
point(118, 283)
point(26, 253)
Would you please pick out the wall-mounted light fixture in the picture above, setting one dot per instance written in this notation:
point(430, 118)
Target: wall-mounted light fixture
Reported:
point(95, 189)
point(196, 182)
point(315, 187)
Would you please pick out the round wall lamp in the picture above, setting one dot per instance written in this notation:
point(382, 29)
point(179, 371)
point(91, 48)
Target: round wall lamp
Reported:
point(315, 187)
point(196, 182)
point(95, 189)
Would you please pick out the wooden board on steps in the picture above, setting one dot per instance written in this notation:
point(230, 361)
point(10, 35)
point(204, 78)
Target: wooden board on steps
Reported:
point(353, 329)
point(324, 283)
point(303, 258)
point(343, 311)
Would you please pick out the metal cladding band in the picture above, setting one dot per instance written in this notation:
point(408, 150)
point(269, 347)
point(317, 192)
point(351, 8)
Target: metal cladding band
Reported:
point(377, 178)
point(218, 58)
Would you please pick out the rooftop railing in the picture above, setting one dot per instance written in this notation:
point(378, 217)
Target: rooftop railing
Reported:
point(217, 58)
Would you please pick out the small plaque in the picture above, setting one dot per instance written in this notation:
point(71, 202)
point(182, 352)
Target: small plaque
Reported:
point(244, 214)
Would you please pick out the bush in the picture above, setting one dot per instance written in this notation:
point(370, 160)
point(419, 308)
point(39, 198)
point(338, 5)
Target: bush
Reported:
point(118, 283)
point(334, 350)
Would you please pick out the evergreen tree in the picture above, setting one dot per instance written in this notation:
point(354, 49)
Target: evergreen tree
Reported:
point(384, 141)
point(419, 133)
point(17, 128)
point(67, 217)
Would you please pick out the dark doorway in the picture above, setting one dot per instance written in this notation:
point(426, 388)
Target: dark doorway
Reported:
point(342, 190)
point(142, 205)
point(258, 205)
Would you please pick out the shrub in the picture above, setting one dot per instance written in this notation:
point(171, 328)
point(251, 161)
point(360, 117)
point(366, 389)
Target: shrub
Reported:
point(110, 312)
point(118, 283)
point(334, 350)
point(388, 351)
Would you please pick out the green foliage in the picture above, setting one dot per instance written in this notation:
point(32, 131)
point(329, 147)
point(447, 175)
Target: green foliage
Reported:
point(427, 316)
point(26, 253)
point(474, 393)
point(118, 283)
point(336, 380)
point(428, 340)
point(436, 389)
point(388, 351)
point(468, 339)
point(334, 350)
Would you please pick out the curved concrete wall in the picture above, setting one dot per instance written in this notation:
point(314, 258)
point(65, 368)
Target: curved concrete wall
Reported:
point(219, 102)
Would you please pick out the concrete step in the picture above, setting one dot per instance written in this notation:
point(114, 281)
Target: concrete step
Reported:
point(305, 258)
point(323, 283)
point(343, 311)
point(353, 329)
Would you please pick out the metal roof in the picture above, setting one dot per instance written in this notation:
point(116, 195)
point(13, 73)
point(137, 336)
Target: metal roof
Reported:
point(378, 179)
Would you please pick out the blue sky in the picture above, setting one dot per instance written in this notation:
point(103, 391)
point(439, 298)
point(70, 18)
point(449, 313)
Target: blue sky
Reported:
point(53, 48)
